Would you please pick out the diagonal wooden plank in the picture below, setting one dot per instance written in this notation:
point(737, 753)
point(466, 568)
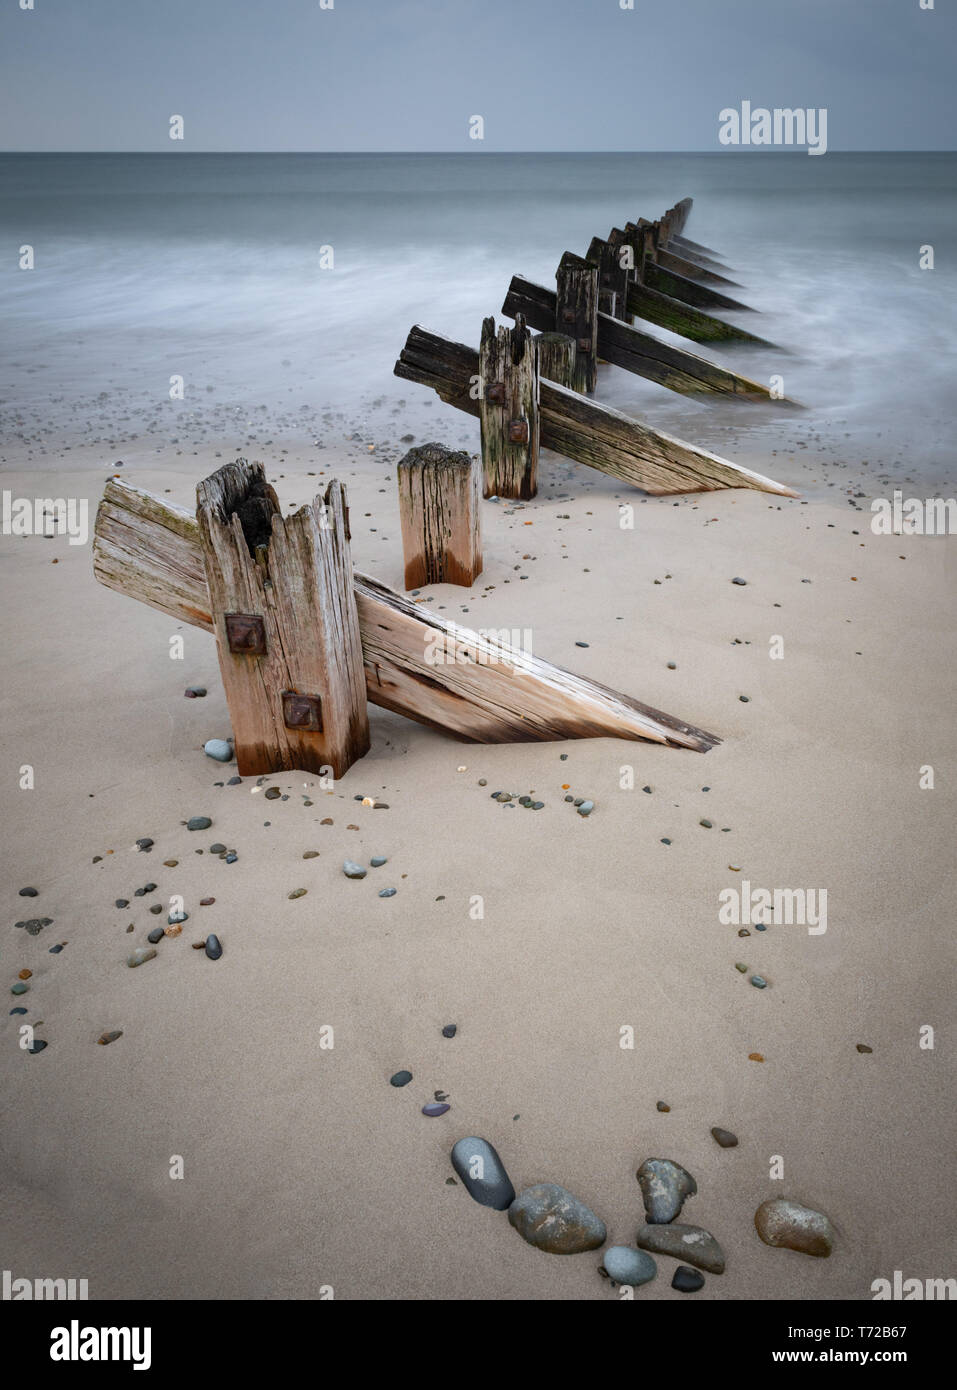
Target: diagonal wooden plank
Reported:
point(468, 684)
point(582, 429)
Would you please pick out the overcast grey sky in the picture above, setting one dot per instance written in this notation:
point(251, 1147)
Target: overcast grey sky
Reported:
point(408, 74)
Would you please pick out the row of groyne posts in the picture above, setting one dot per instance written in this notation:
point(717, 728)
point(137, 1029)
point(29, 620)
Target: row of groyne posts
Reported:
point(305, 642)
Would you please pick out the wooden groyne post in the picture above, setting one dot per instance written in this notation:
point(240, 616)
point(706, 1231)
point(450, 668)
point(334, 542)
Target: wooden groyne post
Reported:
point(576, 313)
point(439, 513)
point(508, 410)
point(284, 614)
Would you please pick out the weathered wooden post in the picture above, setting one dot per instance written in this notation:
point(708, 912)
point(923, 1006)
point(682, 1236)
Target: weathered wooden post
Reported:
point(284, 614)
point(613, 277)
point(576, 313)
point(556, 357)
point(439, 511)
point(508, 409)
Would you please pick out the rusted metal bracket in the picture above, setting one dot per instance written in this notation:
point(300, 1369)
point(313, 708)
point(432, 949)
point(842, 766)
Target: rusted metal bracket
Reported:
point(246, 634)
point(302, 712)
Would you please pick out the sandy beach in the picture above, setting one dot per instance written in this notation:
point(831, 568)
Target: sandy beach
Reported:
point(304, 1170)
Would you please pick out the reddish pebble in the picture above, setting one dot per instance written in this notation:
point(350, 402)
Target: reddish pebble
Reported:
point(206, 902)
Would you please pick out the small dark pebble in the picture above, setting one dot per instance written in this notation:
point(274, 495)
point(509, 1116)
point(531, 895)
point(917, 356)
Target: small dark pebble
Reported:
point(156, 909)
point(581, 644)
point(29, 893)
point(665, 842)
point(745, 699)
point(665, 1109)
point(387, 893)
point(55, 950)
point(435, 1108)
point(743, 931)
point(38, 1046)
point(122, 902)
point(155, 935)
point(194, 692)
point(739, 581)
point(144, 844)
point(198, 823)
point(231, 858)
point(687, 1280)
point(272, 793)
point(863, 1047)
point(400, 1078)
point(17, 1011)
point(214, 947)
point(206, 902)
point(106, 1038)
point(450, 1030)
point(234, 781)
point(217, 848)
point(725, 1138)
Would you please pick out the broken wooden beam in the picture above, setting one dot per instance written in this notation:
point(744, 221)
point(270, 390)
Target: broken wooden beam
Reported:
point(468, 684)
point(581, 429)
point(439, 514)
point(284, 615)
point(635, 351)
point(508, 410)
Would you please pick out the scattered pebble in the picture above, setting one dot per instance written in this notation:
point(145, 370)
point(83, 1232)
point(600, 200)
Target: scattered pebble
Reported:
point(206, 902)
point(493, 1187)
point(586, 808)
point(863, 1047)
point(198, 823)
point(378, 860)
point(106, 1038)
point(37, 1046)
point(552, 1219)
point(759, 982)
point(781, 1222)
point(313, 854)
point(400, 1078)
point(724, 1137)
point(687, 1280)
point(140, 956)
point(449, 1031)
point(218, 749)
point(690, 1243)
point(664, 1108)
point(434, 1109)
point(627, 1266)
point(272, 793)
point(298, 893)
point(29, 893)
point(737, 580)
point(19, 989)
point(664, 1187)
point(25, 974)
point(156, 935)
point(386, 892)
point(122, 902)
point(352, 870)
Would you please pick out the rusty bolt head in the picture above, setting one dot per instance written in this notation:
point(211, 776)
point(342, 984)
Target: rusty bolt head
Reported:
point(518, 432)
point(568, 316)
point(495, 391)
point(584, 344)
point(246, 634)
point(301, 711)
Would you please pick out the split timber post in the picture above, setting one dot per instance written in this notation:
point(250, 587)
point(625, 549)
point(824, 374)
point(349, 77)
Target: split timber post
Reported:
point(556, 357)
point(576, 313)
point(508, 410)
point(439, 511)
point(284, 614)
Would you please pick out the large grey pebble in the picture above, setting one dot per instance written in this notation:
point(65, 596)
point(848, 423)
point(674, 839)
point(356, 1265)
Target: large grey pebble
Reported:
point(553, 1219)
point(219, 749)
point(628, 1266)
point(664, 1187)
point(198, 823)
point(782, 1222)
point(140, 955)
point(352, 870)
point(691, 1243)
point(483, 1173)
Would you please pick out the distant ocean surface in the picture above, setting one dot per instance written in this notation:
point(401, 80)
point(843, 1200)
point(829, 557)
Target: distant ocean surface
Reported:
point(208, 266)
